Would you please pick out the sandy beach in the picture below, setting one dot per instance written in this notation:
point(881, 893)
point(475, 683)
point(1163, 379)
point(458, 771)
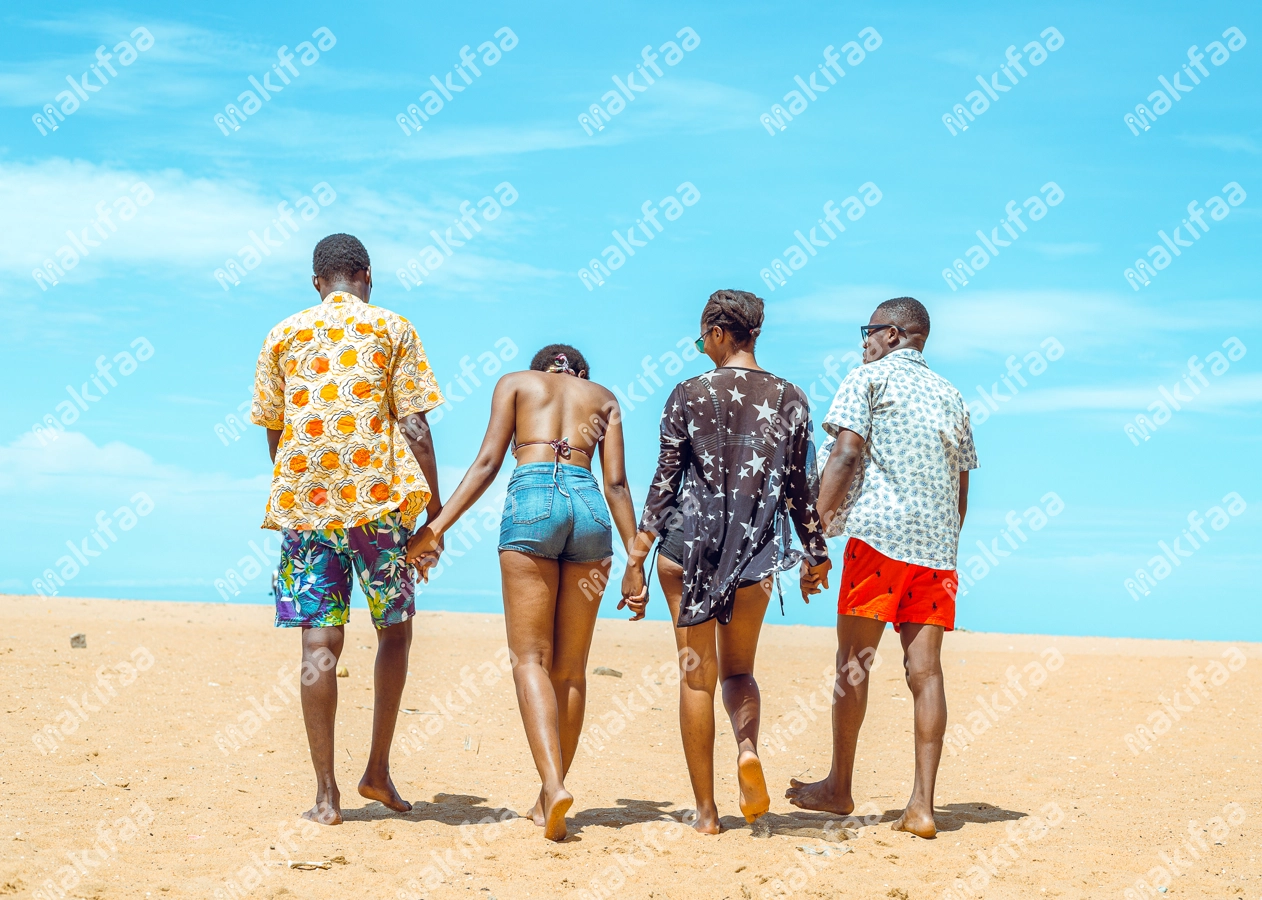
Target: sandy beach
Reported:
point(168, 759)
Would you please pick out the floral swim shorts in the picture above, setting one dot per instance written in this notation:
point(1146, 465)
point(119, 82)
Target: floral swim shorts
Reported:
point(313, 584)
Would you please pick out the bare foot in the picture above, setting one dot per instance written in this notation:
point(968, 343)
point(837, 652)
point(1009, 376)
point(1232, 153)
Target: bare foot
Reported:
point(824, 796)
point(325, 812)
point(383, 792)
point(554, 810)
point(754, 800)
point(536, 811)
point(918, 823)
point(707, 820)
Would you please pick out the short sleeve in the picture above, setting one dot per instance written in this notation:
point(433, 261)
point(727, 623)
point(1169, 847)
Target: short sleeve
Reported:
point(413, 387)
point(851, 408)
point(968, 451)
point(268, 405)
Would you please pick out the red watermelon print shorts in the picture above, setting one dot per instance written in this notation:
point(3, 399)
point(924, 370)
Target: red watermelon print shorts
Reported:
point(876, 587)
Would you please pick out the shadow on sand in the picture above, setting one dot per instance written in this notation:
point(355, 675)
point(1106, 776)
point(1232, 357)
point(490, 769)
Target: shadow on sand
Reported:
point(449, 809)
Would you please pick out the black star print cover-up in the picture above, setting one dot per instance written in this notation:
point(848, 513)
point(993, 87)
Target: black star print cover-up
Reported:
point(736, 456)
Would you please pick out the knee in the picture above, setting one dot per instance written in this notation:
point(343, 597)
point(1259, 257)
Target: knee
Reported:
point(567, 676)
point(703, 677)
point(921, 674)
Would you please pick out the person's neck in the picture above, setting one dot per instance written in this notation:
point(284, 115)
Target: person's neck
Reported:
point(343, 289)
point(740, 359)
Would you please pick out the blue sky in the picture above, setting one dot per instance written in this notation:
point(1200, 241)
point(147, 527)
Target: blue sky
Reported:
point(1062, 122)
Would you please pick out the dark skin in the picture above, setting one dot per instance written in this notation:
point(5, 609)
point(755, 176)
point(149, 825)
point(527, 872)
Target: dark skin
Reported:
point(857, 638)
point(549, 605)
point(726, 651)
point(319, 699)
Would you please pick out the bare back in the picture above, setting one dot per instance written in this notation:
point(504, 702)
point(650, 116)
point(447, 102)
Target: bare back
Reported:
point(552, 405)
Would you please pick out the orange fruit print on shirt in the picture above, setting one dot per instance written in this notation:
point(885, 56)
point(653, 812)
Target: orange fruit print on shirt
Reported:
point(328, 392)
point(346, 424)
point(319, 496)
point(286, 500)
point(328, 459)
point(361, 389)
point(305, 335)
point(348, 493)
point(302, 397)
point(298, 463)
point(348, 357)
point(379, 491)
point(315, 427)
point(320, 365)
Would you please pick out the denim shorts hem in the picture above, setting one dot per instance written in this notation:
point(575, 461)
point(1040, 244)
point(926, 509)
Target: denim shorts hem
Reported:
point(536, 553)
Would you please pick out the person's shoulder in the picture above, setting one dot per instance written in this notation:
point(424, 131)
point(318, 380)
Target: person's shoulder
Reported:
point(291, 323)
point(393, 321)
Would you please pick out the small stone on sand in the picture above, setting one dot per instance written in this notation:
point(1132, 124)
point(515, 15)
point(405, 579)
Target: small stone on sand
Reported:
point(343, 672)
point(79, 641)
point(605, 670)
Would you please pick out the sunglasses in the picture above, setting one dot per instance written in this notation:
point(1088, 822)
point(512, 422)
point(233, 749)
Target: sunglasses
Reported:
point(701, 342)
point(866, 331)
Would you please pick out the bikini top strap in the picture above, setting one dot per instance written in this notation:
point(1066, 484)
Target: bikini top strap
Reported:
point(561, 447)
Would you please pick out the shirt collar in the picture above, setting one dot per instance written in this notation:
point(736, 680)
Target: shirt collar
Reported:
point(340, 297)
point(908, 354)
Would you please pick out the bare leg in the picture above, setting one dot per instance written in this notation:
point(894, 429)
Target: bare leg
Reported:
point(834, 794)
point(922, 660)
point(737, 644)
point(319, 712)
point(699, 675)
point(576, 609)
point(530, 601)
point(389, 677)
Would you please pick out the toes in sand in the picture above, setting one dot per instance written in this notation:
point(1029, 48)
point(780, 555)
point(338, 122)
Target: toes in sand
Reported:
point(384, 793)
point(819, 795)
point(324, 813)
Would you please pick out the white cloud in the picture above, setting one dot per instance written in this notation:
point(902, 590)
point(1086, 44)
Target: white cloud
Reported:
point(194, 224)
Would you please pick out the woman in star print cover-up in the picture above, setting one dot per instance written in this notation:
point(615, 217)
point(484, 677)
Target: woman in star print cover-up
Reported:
point(736, 465)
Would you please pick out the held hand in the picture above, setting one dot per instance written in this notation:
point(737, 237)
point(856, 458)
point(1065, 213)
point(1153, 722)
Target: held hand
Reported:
point(635, 592)
point(423, 564)
point(814, 578)
point(425, 542)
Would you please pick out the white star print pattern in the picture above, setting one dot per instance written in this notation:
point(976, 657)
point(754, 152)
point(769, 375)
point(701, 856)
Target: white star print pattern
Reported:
point(905, 501)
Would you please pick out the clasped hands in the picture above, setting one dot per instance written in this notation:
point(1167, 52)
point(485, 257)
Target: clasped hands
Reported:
point(423, 551)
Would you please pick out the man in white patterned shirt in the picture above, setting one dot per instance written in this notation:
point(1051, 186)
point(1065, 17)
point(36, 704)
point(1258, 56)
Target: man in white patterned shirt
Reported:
point(899, 452)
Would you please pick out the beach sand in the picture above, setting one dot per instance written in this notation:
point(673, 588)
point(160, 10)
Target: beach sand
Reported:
point(1045, 801)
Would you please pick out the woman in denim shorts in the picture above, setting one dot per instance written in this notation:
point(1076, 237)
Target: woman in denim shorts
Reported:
point(555, 546)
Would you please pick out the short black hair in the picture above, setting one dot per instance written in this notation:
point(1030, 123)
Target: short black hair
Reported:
point(339, 255)
point(546, 359)
point(739, 313)
point(908, 312)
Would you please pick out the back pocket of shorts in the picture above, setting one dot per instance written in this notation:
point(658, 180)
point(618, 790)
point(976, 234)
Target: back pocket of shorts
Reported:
point(531, 503)
point(595, 503)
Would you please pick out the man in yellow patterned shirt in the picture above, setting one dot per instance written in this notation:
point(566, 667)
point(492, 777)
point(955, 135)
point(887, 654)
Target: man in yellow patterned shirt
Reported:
point(342, 389)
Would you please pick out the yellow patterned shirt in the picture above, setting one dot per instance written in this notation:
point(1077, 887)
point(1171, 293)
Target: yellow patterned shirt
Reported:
point(334, 380)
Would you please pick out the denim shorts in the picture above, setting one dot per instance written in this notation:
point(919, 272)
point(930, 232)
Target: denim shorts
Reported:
point(556, 512)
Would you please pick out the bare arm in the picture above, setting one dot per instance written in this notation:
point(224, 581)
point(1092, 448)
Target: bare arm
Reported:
point(480, 475)
point(273, 442)
point(963, 496)
point(614, 473)
point(421, 439)
point(839, 474)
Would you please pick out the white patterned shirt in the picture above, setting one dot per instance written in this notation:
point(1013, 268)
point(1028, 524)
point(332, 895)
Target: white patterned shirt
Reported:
point(904, 502)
